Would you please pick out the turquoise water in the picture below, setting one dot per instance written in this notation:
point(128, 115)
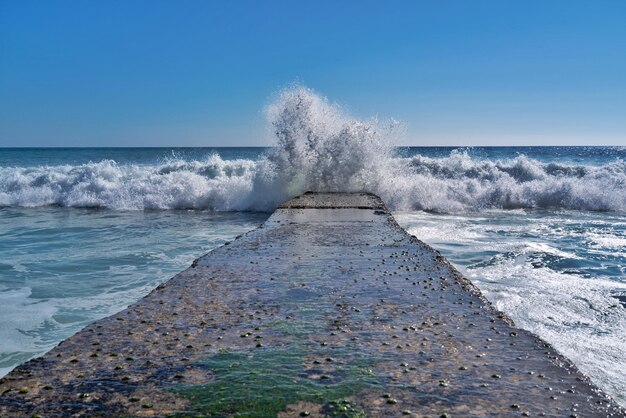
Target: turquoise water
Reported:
point(62, 268)
point(558, 273)
point(541, 230)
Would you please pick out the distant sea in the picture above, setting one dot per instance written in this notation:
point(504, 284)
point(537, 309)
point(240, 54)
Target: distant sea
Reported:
point(540, 230)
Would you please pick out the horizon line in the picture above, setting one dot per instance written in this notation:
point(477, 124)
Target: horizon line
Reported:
point(274, 146)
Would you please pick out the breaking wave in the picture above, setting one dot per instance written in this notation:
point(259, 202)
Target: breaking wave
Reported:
point(320, 148)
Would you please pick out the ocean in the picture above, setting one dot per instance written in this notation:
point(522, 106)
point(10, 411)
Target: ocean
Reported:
point(540, 230)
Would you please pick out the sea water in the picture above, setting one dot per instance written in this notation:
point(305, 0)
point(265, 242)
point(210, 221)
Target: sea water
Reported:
point(540, 230)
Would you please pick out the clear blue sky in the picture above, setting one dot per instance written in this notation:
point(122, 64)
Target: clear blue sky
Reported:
point(198, 73)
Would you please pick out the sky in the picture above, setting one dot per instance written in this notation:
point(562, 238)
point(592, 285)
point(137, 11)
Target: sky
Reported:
point(199, 73)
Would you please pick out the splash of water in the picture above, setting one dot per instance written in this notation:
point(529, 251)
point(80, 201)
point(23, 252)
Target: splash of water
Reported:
point(319, 148)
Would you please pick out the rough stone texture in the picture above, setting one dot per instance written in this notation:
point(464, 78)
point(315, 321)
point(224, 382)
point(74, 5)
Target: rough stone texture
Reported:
point(334, 201)
point(357, 315)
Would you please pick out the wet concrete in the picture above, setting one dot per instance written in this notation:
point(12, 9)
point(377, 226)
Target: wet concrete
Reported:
point(327, 309)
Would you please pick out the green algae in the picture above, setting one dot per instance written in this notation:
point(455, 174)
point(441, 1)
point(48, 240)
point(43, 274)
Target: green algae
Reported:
point(344, 409)
point(309, 320)
point(264, 383)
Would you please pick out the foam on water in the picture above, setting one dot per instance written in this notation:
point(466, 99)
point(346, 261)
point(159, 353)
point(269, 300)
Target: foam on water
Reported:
point(211, 183)
point(578, 316)
point(64, 267)
point(30, 326)
point(549, 274)
point(319, 147)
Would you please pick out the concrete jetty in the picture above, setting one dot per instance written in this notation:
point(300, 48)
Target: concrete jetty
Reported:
point(327, 309)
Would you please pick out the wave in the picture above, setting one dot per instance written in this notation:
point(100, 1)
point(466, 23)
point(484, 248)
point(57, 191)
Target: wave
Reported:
point(461, 183)
point(210, 184)
point(320, 148)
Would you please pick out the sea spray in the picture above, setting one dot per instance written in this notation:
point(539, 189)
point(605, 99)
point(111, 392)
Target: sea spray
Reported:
point(319, 147)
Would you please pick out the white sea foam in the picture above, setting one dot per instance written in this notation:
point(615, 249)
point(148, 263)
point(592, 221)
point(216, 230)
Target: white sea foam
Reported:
point(577, 315)
point(212, 183)
point(16, 317)
point(606, 240)
point(30, 326)
point(320, 147)
point(545, 271)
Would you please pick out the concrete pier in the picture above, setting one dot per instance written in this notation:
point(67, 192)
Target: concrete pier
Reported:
point(327, 309)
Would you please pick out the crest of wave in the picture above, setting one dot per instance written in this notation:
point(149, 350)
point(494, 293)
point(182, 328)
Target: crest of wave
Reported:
point(319, 148)
point(460, 183)
point(174, 184)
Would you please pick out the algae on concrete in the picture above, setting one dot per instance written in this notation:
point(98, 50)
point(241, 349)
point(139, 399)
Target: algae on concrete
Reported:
point(263, 382)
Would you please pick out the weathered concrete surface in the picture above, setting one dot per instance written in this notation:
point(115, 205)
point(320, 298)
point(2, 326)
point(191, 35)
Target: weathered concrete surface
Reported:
point(329, 308)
